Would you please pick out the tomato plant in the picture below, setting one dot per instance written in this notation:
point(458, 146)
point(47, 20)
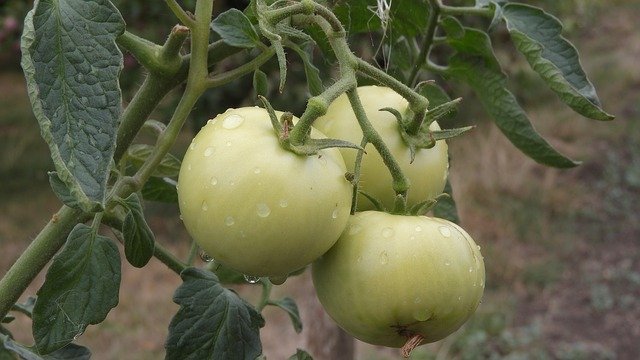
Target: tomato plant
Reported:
point(263, 213)
point(426, 172)
point(390, 278)
point(262, 192)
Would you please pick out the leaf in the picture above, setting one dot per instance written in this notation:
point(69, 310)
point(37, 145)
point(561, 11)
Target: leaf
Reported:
point(452, 27)
point(314, 83)
point(236, 29)
point(497, 10)
point(212, 322)
point(475, 64)
point(72, 64)
point(260, 83)
point(445, 208)
point(26, 308)
point(169, 165)
point(289, 305)
point(160, 189)
point(404, 18)
point(139, 241)
point(62, 191)
point(80, 288)
point(300, 355)
point(69, 352)
point(537, 35)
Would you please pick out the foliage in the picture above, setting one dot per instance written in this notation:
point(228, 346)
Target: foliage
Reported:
point(73, 56)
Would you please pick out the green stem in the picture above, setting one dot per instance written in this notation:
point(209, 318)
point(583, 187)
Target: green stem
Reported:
point(266, 293)
point(464, 10)
point(180, 13)
point(228, 76)
point(432, 22)
point(167, 258)
point(400, 182)
point(37, 255)
point(193, 252)
point(356, 175)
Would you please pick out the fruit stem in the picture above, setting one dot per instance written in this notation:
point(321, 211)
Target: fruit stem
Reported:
point(412, 343)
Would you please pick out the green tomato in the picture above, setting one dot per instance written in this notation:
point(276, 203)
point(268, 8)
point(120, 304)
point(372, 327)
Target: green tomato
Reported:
point(391, 277)
point(255, 207)
point(427, 174)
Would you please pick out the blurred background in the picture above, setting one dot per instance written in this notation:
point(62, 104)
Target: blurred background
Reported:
point(561, 247)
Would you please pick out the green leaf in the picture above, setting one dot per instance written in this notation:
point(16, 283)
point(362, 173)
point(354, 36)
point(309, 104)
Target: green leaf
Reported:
point(62, 191)
point(80, 288)
point(289, 305)
point(537, 35)
point(160, 189)
point(452, 27)
point(497, 10)
point(475, 63)
point(260, 83)
point(300, 355)
point(404, 18)
point(69, 352)
point(445, 208)
point(139, 241)
point(236, 29)
point(168, 167)
point(26, 308)
point(212, 322)
point(72, 64)
point(314, 83)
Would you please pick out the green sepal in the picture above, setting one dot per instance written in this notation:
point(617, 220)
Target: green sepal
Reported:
point(425, 206)
point(312, 146)
point(377, 204)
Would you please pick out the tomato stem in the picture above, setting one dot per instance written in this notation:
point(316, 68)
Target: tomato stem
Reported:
point(412, 343)
point(425, 48)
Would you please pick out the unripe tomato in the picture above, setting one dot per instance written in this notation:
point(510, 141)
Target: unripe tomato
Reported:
point(254, 206)
point(427, 174)
point(391, 277)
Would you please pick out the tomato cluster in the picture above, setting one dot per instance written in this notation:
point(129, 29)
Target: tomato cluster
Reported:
point(265, 211)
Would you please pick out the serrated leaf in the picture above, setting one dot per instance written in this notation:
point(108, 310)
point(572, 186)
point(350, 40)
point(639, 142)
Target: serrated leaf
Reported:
point(314, 82)
point(289, 306)
point(300, 355)
point(72, 64)
point(475, 63)
point(160, 189)
point(139, 241)
point(80, 288)
point(445, 208)
point(235, 29)
point(260, 83)
point(61, 190)
point(69, 352)
point(537, 35)
point(169, 165)
point(213, 322)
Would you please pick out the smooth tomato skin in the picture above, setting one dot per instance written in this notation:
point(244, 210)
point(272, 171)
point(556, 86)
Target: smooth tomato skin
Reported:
point(427, 174)
point(393, 276)
point(254, 206)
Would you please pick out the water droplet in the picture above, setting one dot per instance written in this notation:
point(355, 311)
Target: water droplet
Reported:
point(205, 257)
point(189, 167)
point(334, 214)
point(263, 210)
point(447, 262)
point(209, 151)
point(482, 283)
point(475, 284)
point(445, 231)
point(181, 217)
point(384, 258)
point(228, 143)
point(283, 203)
point(478, 247)
point(359, 259)
point(422, 315)
point(232, 182)
point(257, 170)
point(278, 280)
point(418, 228)
point(387, 232)
point(229, 220)
point(470, 269)
point(232, 121)
point(193, 145)
point(80, 332)
point(205, 206)
point(354, 229)
point(251, 279)
point(459, 298)
point(214, 181)
point(177, 187)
